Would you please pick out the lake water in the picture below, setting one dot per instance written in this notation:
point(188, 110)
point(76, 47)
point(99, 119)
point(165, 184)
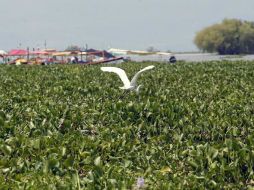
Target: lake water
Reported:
point(190, 57)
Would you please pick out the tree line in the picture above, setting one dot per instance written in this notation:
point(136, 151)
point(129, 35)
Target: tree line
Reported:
point(232, 36)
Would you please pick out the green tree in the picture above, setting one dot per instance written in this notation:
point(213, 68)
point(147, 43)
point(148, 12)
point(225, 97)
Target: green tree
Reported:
point(247, 37)
point(232, 36)
point(73, 48)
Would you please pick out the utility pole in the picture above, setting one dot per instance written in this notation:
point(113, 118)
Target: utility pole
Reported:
point(45, 44)
point(27, 53)
point(86, 51)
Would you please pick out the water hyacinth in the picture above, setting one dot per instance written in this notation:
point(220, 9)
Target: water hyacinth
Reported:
point(190, 127)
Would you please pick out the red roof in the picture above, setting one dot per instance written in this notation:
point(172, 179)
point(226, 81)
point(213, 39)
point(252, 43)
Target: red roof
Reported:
point(18, 52)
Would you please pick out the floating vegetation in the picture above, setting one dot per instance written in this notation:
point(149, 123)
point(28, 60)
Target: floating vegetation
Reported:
point(190, 127)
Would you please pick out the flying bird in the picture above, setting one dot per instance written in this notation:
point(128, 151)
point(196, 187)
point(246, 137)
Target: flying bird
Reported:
point(128, 85)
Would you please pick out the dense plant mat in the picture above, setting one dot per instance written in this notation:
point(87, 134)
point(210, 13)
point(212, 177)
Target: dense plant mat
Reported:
point(66, 127)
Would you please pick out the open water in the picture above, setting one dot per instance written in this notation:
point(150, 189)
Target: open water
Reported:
point(191, 57)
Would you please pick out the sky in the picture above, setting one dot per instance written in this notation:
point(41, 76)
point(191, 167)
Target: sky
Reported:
point(167, 25)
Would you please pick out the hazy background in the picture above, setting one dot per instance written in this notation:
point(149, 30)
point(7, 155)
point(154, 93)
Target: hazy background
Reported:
point(127, 24)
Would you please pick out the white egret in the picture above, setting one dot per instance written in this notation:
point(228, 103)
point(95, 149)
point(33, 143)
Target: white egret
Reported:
point(128, 85)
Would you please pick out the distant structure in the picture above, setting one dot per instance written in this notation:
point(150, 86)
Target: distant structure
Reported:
point(172, 59)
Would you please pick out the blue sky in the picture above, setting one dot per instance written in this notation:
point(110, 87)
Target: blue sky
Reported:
point(126, 24)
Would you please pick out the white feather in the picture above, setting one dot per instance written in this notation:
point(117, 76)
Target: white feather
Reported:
point(120, 72)
point(128, 85)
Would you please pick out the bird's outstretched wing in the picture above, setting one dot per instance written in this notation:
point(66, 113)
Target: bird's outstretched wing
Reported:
point(120, 72)
point(135, 78)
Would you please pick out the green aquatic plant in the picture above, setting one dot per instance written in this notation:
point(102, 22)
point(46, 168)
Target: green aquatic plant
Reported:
point(64, 127)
